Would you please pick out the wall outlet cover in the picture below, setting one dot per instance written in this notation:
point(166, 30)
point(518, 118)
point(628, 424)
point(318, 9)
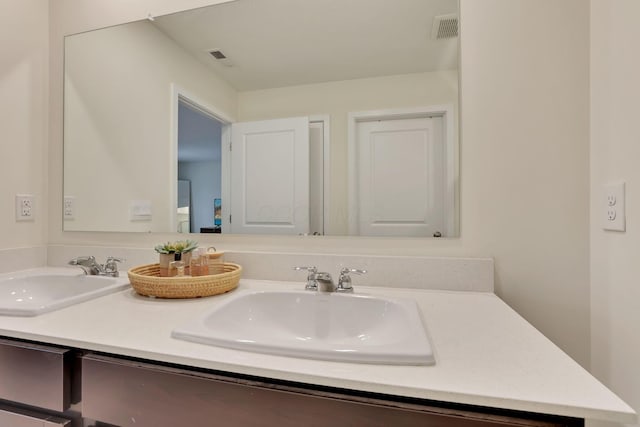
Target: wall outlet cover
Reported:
point(25, 207)
point(69, 208)
point(613, 207)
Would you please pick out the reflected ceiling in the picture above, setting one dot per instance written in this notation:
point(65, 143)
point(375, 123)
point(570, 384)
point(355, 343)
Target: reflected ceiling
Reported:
point(327, 40)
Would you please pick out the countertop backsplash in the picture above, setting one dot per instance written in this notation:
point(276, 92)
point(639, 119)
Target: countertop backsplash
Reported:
point(441, 273)
point(15, 259)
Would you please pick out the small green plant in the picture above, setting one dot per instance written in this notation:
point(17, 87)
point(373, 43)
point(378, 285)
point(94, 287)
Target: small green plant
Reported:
point(179, 246)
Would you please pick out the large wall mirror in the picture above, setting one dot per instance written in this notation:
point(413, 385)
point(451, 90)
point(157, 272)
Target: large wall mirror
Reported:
point(333, 117)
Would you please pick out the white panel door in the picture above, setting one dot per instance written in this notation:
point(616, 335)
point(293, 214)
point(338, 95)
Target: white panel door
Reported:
point(400, 177)
point(270, 176)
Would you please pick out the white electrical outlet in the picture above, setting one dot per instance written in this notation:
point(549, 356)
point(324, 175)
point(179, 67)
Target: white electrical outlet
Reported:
point(613, 205)
point(25, 207)
point(69, 207)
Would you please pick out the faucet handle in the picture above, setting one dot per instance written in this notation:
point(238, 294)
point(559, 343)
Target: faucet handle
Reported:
point(344, 273)
point(311, 270)
point(312, 284)
point(82, 259)
point(111, 266)
point(344, 281)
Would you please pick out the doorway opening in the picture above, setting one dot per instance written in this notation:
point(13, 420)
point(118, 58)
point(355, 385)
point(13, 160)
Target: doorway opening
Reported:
point(200, 138)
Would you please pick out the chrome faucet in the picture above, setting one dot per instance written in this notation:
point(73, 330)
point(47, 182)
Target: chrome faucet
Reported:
point(323, 282)
point(91, 267)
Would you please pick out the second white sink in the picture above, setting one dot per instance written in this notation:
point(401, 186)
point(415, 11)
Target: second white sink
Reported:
point(353, 328)
point(34, 294)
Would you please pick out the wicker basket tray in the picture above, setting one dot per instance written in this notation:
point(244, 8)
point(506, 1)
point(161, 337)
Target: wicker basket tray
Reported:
point(146, 280)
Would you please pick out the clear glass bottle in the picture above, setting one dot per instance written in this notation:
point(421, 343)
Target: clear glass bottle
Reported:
point(199, 263)
point(176, 268)
point(215, 261)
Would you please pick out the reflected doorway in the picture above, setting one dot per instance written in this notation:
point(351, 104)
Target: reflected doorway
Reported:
point(199, 168)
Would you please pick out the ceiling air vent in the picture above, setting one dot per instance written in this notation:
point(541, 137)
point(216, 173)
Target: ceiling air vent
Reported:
point(445, 27)
point(217, 54)
point(220, 57)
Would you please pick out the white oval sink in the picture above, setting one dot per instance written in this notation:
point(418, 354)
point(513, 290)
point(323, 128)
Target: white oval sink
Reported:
point(30, 295)
point(353, 328)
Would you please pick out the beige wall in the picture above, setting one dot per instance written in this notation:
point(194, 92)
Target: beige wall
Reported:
point(68, 17)
point(122, 127)
point(615, 152)
point(337, 100)
point(24, 74)
point(525, 124)
point(524, 157)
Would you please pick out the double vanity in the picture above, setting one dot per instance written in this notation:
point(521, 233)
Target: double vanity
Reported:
point(272, 353)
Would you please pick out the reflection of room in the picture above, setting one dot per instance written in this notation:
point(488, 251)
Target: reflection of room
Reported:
point(199, 145)
point(340, 76)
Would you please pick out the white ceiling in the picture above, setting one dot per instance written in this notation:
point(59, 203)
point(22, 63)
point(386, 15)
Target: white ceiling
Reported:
point(276, 43)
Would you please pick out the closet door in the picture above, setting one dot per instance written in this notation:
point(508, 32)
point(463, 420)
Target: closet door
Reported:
point(400, 177)
point(270, 176)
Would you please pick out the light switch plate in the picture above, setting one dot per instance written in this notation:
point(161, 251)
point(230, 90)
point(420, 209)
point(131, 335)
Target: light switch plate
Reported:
point(613, 207)
point(140, 210)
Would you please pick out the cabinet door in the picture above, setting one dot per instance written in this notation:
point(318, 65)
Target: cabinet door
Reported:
point(128, 393)
point(35, 375)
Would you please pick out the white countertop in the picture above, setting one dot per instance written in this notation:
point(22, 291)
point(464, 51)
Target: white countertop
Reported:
point(486, 354)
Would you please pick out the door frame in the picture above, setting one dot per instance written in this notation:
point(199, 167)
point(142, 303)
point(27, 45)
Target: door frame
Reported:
point(446, 112)
point(179, 94)
point(325, 119)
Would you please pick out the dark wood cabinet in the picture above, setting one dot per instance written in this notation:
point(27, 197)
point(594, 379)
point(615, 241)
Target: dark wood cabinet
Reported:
point(44, 385)
point(133, 393)
point(18, 417)
point(35, 384)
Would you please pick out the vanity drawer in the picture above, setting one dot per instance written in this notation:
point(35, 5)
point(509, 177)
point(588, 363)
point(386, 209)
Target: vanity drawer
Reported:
point(131, 393)
point(35, 375)
point(16, 417)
